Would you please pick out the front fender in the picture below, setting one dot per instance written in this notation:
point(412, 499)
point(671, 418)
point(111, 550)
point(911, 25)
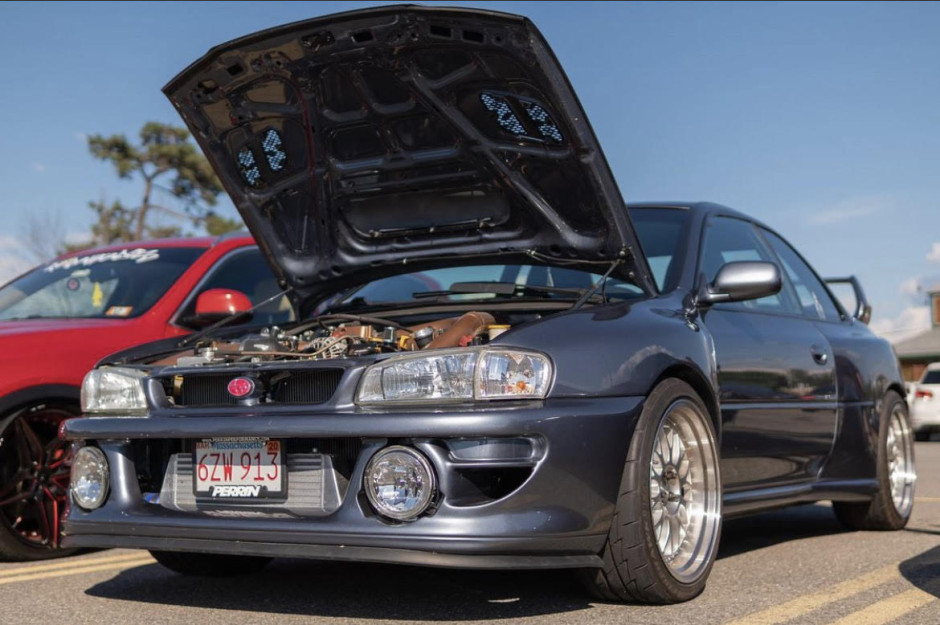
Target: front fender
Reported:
point(619, 349)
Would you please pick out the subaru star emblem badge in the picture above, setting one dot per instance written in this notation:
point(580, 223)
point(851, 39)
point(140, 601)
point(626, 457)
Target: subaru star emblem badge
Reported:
point(241, 387)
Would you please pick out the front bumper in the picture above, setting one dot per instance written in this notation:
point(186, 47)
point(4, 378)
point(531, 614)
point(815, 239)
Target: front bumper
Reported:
point(557, 517)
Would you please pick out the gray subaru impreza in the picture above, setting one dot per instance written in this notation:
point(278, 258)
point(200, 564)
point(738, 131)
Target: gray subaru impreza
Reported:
point(499, 363)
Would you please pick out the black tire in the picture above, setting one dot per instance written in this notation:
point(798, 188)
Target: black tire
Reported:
point(923, 435)
point(635, 568)
point(882, 512)
point(24, 535)
point(210, 564)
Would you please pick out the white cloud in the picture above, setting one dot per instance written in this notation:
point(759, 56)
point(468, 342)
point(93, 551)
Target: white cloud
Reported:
point(910, 287)
point(39, 167)
point(9, 244)
point(850, 209)
point(11, 265)
point(910, 322)
point(934, 254)
point(81, 137)
point(12, 262)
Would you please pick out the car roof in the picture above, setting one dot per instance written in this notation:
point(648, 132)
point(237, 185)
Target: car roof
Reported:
point(695, 207)
point(232, 238)
point(701, 209)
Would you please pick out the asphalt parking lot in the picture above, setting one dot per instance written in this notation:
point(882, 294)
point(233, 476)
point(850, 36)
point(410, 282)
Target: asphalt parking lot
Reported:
point(791, 566)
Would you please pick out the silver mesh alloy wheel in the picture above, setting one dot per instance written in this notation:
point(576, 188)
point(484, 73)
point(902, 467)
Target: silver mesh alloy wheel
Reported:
point(685, 503)
point(900, 457)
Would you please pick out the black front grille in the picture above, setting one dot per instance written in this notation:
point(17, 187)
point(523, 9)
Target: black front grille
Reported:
point(206, 390)
point(308, 387)
point(281, 387)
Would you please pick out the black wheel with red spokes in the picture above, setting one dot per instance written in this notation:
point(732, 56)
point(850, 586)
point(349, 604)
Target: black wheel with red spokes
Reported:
point(34, 480)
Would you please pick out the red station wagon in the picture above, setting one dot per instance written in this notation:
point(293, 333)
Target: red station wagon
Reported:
point(59, 319)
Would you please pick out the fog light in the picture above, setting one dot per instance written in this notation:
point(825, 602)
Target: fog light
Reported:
point(399, 483)
point(89, 478)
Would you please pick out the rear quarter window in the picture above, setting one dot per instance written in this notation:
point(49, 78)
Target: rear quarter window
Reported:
point(931, 377)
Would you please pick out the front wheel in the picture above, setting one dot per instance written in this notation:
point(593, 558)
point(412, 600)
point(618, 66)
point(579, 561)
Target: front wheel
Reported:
point(891, 506)
point(34, 477)
point(667, 521)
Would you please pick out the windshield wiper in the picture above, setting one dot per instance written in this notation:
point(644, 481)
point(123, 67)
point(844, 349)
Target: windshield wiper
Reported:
point(227, 320)
point(507, 289)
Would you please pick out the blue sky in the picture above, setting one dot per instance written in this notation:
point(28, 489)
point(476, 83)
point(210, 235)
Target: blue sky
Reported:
point(821, 119)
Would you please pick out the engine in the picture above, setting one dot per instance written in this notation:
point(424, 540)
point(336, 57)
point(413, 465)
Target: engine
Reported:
point(344, 336)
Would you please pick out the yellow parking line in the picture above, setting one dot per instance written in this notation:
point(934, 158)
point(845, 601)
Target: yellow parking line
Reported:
point(67, 564)
point(141, 560)
point(926, 499)
point(807, 603)
point(888, 609)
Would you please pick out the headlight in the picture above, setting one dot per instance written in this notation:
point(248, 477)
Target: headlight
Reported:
point(113, 389)
point(89, 479)
point(457, 375)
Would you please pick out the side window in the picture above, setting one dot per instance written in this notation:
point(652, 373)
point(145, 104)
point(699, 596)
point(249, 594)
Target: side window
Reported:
point(814, 299)
point(247, 271)
point(728, 239)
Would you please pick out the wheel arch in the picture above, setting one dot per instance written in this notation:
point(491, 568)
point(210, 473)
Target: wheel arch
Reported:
point(700, 385)
point(11, 403)
point(899, 389)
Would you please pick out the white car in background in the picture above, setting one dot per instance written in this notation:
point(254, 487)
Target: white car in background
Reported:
point(925, 406)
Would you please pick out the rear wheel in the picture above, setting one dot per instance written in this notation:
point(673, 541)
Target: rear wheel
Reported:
point(891, 506)
point(667, 522)
point(34, 478)
point(210, 564)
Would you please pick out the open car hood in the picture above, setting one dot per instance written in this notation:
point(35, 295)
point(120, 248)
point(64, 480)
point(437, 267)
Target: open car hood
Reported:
point(367, 143)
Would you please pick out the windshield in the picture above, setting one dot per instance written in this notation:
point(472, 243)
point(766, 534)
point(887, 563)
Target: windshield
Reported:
point(660, 234)
point(485, 282)
point(120, 284)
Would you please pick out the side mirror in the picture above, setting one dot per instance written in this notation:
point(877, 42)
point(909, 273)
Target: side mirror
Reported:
point(738, 281)
point(217, 304)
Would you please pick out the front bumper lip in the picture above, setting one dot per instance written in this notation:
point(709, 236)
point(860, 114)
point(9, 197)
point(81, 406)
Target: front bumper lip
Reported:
point(557, 518)
point(422, 557)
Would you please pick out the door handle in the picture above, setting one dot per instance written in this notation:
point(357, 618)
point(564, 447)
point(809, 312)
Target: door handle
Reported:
point(820, 355)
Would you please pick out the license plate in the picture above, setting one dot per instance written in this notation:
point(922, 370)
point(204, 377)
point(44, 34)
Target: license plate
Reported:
point(239, 468)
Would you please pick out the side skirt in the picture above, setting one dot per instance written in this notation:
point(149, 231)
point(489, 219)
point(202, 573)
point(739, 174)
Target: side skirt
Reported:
point(751, 501)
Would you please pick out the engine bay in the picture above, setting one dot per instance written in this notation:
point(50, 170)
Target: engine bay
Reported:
point(343, 336)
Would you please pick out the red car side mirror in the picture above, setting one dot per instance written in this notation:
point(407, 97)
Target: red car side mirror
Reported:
point(216, 304)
